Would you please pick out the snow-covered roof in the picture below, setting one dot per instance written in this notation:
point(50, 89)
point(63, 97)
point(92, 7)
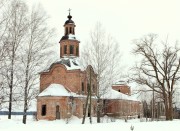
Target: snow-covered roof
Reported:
point(120, 83)
point(55, 90)
point(72, 37)
point(59, 90)
point(113, 94)
point(69, 37)
point(71, 63)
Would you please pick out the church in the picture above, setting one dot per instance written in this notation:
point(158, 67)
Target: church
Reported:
point(64, 86)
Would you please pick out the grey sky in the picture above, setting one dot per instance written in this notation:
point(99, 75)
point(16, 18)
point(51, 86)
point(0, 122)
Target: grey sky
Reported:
point(123, 19)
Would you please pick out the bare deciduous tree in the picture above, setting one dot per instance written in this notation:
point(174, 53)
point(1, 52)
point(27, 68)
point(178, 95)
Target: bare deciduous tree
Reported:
point(34, 54)
point(3, 27)
point(103, 54)
point(13, 35)
point(25, 40)
point(91, 80)
point(158, 69)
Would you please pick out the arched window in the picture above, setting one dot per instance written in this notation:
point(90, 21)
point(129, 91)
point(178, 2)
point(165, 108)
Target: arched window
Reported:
point(73, 30)
point(61, 51)
point(66, 30)
point(82, 87)
point(77, 51)
point(43, 110)
point(57, 112)
point(65, 49)
point(71, 49)
point(70, 30)
point(57, 108)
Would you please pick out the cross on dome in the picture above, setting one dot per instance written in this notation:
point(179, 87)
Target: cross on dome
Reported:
point(69, 16)
point(69, 11)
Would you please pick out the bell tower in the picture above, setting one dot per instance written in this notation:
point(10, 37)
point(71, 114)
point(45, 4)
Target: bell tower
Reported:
point(69, 45)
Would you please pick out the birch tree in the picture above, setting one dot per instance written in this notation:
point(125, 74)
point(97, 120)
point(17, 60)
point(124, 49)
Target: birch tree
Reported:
point(34, 55)
point(103, 54)
point(91, 78)
point(25, 49)
point(15, 31)
point(3, 48)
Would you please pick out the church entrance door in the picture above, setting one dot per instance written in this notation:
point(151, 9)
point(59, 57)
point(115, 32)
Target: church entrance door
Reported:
point(57, 112)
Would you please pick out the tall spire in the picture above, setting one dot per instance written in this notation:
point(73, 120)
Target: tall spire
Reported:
point(69, 11)
point(69, 16)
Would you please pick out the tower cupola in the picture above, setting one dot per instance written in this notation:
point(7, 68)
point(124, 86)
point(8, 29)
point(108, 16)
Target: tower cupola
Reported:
point(69, 25)
point(69, 45)
point(69, 21)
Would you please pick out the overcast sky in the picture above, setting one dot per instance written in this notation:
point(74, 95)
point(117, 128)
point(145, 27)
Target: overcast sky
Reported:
point(123, 19)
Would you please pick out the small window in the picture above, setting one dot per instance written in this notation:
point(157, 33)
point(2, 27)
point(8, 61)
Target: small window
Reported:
point(77, 51)
point(57, 108)
point(104, 102)
point(119, 90)
point(43, 111)
point(71, 49)
point(61, 51)
point(66, 30)
point(73, 30)
point(70, 30)
point(82, 87)
point(65, 49)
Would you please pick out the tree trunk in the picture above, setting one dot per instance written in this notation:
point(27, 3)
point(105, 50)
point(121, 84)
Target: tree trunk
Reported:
point(25, 105)
point(168, 108)
point(153, 106)
point(168, 114)
point(11, 86)
point(98, 111)
point(24, 116)
point(86, 106)
point(26, 94)
point(10, 102)
point(90, 98)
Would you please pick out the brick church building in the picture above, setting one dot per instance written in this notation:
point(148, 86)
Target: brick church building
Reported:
point(64, 86)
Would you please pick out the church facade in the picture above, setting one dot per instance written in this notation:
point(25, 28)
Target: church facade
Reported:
point(64, 86)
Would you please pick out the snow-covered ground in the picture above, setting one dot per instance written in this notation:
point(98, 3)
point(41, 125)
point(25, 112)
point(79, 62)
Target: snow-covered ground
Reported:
point(75, 124)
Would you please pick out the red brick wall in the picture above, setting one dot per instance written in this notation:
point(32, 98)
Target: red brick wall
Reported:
point(70, 79)
point(59, 75)
point(73, 80)
point(123, 108)
point(66, 108)
point(75, 43)
point(123, 89)
point(51, 103)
